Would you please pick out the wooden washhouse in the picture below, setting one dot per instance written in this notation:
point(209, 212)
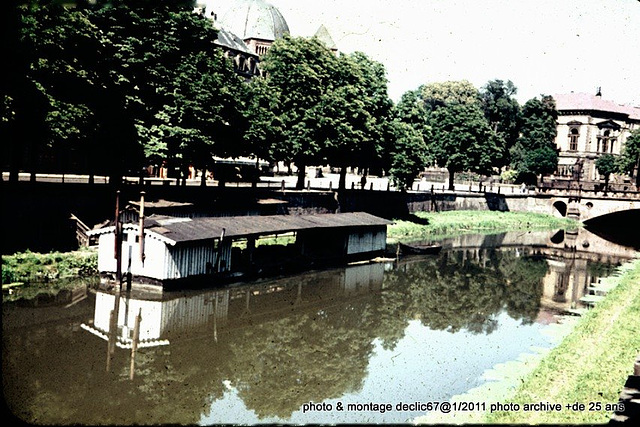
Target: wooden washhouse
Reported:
point(174, 251)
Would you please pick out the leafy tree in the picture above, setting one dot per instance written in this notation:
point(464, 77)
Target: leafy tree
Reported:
point(300, 71)
point(182, 93)
point(450, 92)
point(264, 134)
point(629, 159)
point(411, 110)
point(538, 162)
point(533, 154)
point(356, 114)
point(606, 165)
point(407, 156)
point(503, 113)
point(462, 139)
point(48, 100)
point(378, 105)
point(319, 108)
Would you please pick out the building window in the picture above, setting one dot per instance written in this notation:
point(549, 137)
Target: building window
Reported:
point(573, 139)
point(605, 141)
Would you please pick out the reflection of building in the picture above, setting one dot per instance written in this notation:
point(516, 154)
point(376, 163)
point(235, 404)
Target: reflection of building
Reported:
point(575, 259)
point(588, 127)
point(171, 316)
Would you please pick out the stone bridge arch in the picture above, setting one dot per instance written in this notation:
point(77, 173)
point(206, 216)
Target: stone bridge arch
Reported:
point(559, 208)
point(590, 207)
point(597, 207)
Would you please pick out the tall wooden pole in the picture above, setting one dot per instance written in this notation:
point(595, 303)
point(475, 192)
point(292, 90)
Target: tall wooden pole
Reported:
point(142, 226)
point(134, 344)
point(118, 241)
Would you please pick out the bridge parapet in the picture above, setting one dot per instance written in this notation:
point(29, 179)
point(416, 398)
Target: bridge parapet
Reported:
point(564, 192)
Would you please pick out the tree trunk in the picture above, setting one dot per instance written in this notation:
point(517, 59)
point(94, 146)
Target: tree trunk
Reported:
point(342, 182)
point(451, 176)
point(606, 184)
point(301, 176)
point(203, 178)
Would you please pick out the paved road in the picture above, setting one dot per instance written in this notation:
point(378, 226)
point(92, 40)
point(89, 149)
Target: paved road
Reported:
point(328, 181)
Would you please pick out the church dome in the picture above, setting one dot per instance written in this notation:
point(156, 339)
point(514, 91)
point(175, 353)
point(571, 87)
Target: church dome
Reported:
point(255, 19)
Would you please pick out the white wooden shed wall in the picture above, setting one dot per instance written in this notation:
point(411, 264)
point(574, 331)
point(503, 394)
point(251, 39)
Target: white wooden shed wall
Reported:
point(162, 261)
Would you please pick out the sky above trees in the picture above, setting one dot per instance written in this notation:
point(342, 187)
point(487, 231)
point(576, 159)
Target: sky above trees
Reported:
point(544, 47)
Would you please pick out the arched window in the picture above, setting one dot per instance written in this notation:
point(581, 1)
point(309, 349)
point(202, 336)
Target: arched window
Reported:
point(605, 141)
point(573, 139)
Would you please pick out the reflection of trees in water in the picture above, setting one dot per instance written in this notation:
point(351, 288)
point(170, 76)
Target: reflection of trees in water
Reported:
point(523, 278)
point(453, 293)
point(276, 364)
point(279, 365)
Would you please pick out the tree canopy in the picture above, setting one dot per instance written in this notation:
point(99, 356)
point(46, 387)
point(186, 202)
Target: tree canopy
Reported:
point(502, 111)
point(629, 159)
point(534, 153)
point(461, 137)
point(104, 86)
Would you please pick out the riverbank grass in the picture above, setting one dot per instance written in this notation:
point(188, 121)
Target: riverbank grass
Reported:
point(437, 225)
point(30, 266)
point(591, 364)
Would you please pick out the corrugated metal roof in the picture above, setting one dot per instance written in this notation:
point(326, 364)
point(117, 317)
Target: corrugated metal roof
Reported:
point(192, 229)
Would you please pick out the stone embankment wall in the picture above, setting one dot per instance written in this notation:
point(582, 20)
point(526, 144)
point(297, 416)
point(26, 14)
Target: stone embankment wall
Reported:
point(36, 216)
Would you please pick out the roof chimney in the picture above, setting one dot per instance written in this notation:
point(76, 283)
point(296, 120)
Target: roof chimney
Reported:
point(599, 93)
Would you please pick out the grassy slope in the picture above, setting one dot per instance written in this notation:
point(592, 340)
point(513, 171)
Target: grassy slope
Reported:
point(443, 224)
point(591, 364)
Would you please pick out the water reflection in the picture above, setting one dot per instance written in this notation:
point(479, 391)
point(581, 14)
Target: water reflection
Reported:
point(423, 328)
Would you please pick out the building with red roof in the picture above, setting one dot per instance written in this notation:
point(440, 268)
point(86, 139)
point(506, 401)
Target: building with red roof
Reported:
point(588, 127)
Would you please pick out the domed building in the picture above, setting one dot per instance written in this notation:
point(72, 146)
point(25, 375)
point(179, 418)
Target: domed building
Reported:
point(256, 22)
point(246, 31)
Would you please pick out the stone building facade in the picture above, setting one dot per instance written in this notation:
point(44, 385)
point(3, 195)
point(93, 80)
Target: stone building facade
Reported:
point(248, 28)
point(588, 127)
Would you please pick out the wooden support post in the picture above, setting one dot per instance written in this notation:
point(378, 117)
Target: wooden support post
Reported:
point(110, 341)
point(134, 344)
point(118, 241)
point(113, 327)
point(282, 185)
point(141, 240)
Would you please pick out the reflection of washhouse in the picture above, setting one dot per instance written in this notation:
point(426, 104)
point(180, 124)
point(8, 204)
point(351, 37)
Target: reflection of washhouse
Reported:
point(131, 321)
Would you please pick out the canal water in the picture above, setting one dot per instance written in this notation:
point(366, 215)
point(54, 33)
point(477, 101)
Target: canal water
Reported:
point(378, 340)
